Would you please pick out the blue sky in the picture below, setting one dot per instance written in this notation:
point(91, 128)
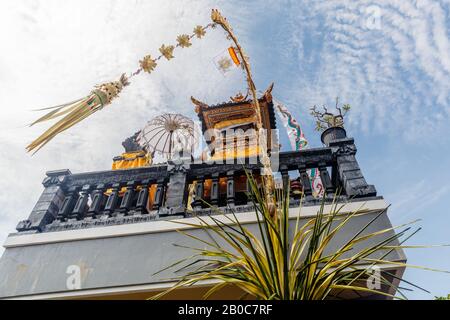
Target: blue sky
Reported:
point(389, 59)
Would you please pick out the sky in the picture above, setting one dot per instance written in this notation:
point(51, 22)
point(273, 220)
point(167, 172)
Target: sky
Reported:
point(390, 60)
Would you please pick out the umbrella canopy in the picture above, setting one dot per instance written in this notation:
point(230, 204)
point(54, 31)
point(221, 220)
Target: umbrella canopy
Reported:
point(168, 133)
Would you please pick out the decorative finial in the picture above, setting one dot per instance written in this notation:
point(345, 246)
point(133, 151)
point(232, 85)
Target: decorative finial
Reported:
point(198, 105)
point(268, 93)
point(239, 97)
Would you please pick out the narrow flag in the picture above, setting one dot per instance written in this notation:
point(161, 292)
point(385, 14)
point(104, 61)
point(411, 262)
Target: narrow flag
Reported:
point(299, 142)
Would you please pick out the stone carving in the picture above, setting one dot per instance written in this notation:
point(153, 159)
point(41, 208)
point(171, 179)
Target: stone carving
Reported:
point(57, 177)
point(172, 181)
point(130, 144)
point(346, 149)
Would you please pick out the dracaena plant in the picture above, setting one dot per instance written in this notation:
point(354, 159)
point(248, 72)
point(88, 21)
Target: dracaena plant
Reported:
point(288, 261)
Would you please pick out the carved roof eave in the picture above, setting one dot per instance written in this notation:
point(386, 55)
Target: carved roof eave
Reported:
point(267, 95)
point(200, 106)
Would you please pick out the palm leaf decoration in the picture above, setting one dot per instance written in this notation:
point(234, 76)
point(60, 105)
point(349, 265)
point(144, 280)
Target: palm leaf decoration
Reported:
point(71, 113)
point(286, 263)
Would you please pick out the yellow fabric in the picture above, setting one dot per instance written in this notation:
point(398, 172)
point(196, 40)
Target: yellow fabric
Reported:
point(229, 123)
point(207, 188)
point(151, 195)
point(231, 153)
point(234, 56)
point(130, 160)
point(191, 195)
point(134, 159)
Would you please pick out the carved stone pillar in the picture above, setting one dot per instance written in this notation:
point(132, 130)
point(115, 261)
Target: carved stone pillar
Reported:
point(199, 190)
point(230, 188)
point(142, 200)
point(215, 189)
point(348, 171)
point(325, 178)
point(97, 200)
point(285, 177)
point(81, 206)
point(111, 203)
point(159, 195)
point(68, 204)
point(306, 182)
point(128, 197)
point(49, 203)
point(177, 189)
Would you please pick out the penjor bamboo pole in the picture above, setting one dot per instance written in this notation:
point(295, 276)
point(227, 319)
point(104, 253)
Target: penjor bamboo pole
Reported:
point(217, 17)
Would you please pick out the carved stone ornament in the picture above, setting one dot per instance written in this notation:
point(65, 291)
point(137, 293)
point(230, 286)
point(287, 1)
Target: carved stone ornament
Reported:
point(239, 97)
point(177, 166)
point(130, 144)
point(347, 149)
point(54, 180)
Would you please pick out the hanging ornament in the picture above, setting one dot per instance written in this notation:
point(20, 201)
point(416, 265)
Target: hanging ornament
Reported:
point(148, 64)
point(217, 17)
point(184, 41)
point(76, 111)
point(167, 52)
point(199, 31)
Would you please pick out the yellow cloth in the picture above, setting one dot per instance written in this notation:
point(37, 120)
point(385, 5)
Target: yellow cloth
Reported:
point(151, 194)
point(234, 56)
point(228, 123)
point(191, 195)
point(134, 159)
point(128, 160)
point(230, 153)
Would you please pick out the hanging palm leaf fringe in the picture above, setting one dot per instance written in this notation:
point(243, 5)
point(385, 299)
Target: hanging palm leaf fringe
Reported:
point(76, 111)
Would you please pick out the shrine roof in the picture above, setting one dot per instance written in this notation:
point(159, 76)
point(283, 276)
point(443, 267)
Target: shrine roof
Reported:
point(239, 107)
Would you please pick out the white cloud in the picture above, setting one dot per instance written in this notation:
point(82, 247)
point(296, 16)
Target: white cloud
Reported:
point(409, 205)
point(396, 77)
point(55, 51)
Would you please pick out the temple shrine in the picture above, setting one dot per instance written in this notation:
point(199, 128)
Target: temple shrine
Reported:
point(105, 234)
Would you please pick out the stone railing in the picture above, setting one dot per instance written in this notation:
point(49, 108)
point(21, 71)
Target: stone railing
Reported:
point(72, 201)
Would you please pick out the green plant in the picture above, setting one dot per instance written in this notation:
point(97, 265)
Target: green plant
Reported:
point(443, 298)
point(328, 119)
point(285, 262)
